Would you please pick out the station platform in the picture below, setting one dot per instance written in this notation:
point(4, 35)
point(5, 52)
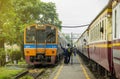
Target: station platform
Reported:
point(77, 70)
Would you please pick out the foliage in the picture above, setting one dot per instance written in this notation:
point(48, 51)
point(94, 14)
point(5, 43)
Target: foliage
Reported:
point(49, 15)
point(2, 57)
point(15, 55)
point(21, 62)
point(16, 14)
point(6, 19)
point(27, 77)
point(8, 73)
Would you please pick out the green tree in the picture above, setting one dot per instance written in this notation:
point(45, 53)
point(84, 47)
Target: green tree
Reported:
point(16, 14)
point(49, 15)
point(30, 11)
point(6, 16)
point(2, 57)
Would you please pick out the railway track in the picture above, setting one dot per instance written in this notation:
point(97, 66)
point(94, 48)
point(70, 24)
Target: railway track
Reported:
point(34, 73)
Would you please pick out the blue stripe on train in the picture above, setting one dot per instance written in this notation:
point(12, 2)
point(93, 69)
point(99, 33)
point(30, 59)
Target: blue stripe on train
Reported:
point(40, 46)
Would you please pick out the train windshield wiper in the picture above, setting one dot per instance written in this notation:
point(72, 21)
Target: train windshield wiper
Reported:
point(50, 37)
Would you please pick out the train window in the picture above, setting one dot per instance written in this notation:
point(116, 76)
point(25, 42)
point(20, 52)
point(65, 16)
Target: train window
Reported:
point(115, 31)
point(50, 35)
point(102, 27)
point(40, 36)
point(97, 32)
point(92, 35)
point(30, 35)
point(105, 28)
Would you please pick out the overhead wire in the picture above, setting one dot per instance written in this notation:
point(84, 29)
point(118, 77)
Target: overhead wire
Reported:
point(75, 26)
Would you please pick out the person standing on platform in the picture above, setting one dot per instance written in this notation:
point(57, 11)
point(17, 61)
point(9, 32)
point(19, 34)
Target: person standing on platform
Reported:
point(72, 52)
point(66, 56)
point(75, 50)
point(69, 50)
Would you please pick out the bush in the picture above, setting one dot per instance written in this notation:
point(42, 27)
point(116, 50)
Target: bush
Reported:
point(2, 57)
point(15, 55)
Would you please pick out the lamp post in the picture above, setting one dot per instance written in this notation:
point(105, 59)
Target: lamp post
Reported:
point(71, 39)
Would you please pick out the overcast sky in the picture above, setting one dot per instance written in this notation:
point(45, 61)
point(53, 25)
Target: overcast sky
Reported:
point(77, 12)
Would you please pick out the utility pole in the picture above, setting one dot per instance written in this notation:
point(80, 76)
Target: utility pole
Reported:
point(71, 39)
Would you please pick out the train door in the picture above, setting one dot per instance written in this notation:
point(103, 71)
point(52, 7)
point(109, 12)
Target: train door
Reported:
point(40, 45)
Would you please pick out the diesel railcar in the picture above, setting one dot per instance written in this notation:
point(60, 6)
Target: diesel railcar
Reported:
point(41, 44)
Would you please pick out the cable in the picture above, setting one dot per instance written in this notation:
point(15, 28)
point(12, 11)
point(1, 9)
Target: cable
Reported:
point(75, 26)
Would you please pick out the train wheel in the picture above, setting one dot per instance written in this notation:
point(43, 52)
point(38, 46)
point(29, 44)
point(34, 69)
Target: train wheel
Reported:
point(36, 65)
point(56, 60)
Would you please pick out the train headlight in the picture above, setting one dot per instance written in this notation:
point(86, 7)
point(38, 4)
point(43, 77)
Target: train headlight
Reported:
point(27, 52)
point(53, 52)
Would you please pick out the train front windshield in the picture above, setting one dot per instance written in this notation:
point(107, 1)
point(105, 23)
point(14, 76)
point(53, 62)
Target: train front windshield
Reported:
point(50, 35)
point(31, 35)
point(34, 35)
point(41, 36)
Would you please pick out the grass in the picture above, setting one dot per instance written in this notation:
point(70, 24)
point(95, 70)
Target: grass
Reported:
point(27, 77)
point(21, 62)
point(6, 73)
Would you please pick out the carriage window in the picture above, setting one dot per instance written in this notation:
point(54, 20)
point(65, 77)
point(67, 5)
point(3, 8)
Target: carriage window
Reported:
point(105, 28)
point(99, 29)
point(102, 27)
point(115, 31)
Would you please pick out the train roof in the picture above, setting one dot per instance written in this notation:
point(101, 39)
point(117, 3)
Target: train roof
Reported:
point(109, 5)
point(41, 26)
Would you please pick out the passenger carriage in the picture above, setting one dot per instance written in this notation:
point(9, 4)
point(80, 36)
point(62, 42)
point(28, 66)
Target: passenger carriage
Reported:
point(116, 36)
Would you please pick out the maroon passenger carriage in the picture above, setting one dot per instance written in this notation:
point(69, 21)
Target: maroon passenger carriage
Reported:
point(116, 36)
point(82, 44)
point(100, 34)
point(99, 41)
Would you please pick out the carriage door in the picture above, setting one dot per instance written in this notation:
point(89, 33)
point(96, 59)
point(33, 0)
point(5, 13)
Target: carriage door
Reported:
point(40, 44)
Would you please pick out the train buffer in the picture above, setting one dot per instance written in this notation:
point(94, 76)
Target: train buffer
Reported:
point(77, 70)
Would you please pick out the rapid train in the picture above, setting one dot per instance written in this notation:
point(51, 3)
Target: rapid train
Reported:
point(42, 44)
point(100, 42)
